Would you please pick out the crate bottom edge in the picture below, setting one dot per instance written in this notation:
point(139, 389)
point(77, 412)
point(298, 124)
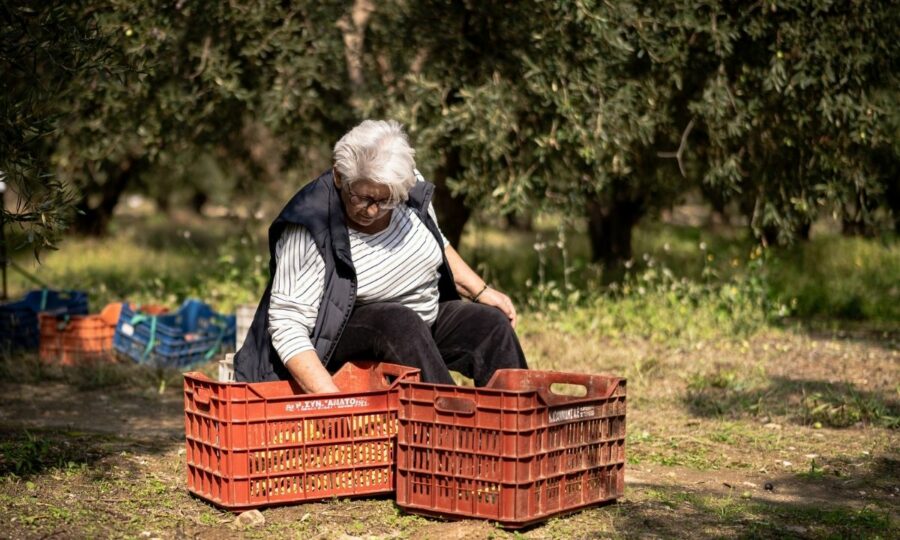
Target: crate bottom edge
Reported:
point(237, 508)
point(508, 524)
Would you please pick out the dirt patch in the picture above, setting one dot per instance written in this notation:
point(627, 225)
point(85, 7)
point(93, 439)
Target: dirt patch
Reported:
point(709, 427)
point(126, 412)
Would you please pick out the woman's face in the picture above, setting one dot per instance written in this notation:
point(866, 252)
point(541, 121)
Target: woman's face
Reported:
point(367, 204)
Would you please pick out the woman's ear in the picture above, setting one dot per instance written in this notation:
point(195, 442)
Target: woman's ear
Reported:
point(337, 178)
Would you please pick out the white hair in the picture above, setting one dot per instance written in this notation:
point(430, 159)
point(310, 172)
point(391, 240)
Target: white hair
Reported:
point(377, 150)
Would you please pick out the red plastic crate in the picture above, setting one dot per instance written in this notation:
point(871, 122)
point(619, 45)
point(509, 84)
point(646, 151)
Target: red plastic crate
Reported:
point(259, 444)
point(513, 451)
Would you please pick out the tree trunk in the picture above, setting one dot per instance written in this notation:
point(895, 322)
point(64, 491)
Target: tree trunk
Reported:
point(520, 221)
point(198, 199)
point(94, 220)
point(718, 205)
point(451, 211)
point(163, 203)
point(769, 235)
point(803, 230)
point(856, 227)
point(892, 195)
point(611, 221)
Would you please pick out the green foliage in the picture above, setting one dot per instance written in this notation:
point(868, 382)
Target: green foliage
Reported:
point(723, 274)
point(543, 103)
point(655, 301)
point(799, 107)
point(785, 108)
point(25, 454)
point(844, 278)
point(651, 300)
point(788, 109)
point(108, 96)
point(732, 392)
point(41, 47)
point(843, 407)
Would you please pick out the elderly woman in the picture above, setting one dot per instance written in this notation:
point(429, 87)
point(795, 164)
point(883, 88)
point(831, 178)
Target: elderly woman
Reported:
point(360, 270)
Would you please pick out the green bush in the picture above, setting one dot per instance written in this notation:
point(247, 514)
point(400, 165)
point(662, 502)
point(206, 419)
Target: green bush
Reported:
point(840, 278)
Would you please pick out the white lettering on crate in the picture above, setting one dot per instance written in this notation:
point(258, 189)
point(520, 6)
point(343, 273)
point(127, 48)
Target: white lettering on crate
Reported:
point(572, 413)
point(325, 404)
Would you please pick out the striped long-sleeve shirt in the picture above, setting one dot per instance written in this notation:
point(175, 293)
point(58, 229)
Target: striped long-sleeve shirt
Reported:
point(399, 264)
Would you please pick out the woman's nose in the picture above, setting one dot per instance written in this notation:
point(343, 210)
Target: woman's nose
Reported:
point(372, 210)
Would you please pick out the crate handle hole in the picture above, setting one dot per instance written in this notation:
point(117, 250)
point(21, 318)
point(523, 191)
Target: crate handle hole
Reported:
point(201, 396)
point(571, 390)
point(454, 405)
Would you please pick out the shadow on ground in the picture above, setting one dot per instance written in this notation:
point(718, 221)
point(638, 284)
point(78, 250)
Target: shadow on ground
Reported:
point(862, 506)
point(804, 401)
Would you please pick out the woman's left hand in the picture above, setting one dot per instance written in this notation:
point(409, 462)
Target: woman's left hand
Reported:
point(495, 298)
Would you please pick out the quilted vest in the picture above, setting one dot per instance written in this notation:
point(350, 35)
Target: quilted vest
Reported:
point(318, 208)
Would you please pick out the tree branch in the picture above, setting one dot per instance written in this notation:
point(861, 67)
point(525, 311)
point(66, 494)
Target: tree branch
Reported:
point(679, 153)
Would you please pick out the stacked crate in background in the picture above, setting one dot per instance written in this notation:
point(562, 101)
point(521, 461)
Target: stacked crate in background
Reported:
point(75, 339)
point(59, 326)
point(19, 329)
point(193, 334)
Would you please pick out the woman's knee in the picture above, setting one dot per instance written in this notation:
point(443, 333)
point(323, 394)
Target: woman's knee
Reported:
point(392, 321)
point(385, 313)
point(492, 317)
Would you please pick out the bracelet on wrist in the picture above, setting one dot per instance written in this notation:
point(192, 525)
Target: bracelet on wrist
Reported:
point(475, 298)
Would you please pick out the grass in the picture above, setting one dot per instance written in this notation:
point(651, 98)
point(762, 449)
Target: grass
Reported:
point(687, 284)
point(732, 393)
point(726, 284)
point(841, 278)
point(761, 519)
point(154, 260)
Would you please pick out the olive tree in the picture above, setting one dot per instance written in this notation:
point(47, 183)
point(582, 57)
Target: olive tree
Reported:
point(43, 47)
point(799, 111)
point(163, 84)
point(611, 109)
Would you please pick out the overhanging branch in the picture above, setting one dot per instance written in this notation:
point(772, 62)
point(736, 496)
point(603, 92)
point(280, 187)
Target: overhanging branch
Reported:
point(679, 153)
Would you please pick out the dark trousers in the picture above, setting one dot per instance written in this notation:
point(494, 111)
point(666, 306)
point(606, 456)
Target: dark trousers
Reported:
point(472, 339)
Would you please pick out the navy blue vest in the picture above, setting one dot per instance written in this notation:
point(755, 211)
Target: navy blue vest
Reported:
point(318, 208)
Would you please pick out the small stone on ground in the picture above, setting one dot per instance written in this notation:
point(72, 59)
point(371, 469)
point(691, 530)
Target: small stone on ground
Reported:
point(251, 518)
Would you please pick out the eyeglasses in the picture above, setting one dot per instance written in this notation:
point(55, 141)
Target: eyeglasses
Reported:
point(367, 202)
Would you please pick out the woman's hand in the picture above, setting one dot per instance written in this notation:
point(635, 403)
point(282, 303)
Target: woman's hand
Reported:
point(495, 298)
point(310, 374)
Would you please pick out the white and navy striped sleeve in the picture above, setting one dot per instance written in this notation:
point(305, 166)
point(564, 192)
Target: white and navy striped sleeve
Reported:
point(296, 292)
point(431, 212)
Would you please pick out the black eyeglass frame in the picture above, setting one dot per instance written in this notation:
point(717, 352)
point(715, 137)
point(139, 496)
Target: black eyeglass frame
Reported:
point(359, 201)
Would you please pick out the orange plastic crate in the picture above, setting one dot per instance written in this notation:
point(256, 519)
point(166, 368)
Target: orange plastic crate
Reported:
point(72, 339)
point(513, 451)
point(260, 444)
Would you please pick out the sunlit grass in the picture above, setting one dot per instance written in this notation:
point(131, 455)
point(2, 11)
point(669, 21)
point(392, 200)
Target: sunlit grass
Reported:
point(152, 260)
point(846, 278)
point(112, 269)
point(829, 277)
point(686, 283)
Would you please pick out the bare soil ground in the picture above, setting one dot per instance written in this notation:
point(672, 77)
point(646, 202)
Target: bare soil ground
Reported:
point(791, 433)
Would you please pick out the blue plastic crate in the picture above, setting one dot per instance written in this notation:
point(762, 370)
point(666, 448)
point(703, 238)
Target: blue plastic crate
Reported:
point(192, 335)
point(19, 320)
